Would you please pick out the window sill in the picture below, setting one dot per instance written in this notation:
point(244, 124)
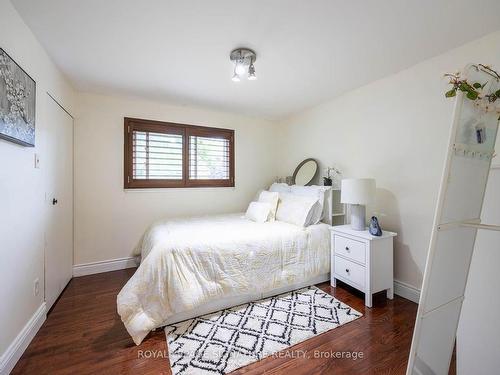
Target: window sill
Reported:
point(176, 189)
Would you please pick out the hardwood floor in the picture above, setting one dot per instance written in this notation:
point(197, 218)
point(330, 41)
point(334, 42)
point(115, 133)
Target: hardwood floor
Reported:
point(83, 334)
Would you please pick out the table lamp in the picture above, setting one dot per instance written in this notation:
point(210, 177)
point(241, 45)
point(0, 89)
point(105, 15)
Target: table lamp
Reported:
point(358, 192)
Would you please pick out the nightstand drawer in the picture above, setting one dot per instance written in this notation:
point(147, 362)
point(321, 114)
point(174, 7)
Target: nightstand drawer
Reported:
point(351, 249)
point(350, 271)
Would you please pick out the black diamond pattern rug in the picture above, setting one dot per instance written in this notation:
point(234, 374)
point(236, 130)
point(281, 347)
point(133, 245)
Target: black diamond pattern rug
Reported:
point(221, 342)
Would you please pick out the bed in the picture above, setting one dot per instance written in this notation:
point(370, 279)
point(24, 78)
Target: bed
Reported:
point(194, 266)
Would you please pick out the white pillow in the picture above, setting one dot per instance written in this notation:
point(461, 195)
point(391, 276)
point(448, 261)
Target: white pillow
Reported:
point(258, 211)
point(315, 191)
point(272, 198)
point(280, 187)
point(295, 209)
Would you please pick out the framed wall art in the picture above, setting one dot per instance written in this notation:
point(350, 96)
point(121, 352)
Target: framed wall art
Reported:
point(17, 102)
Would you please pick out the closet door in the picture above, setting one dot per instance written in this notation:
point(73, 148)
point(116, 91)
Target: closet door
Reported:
point(59, 199)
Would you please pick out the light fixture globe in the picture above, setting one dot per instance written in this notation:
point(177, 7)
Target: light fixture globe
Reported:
point(240, 68)
point(251, 73)
point(243, 60)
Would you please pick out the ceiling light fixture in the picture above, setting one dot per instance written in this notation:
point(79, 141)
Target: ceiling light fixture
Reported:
point(243, 60)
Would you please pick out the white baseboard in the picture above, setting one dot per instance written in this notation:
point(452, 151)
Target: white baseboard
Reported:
point(18, 346)
point(406, 291)
point(400, 288)
point(104, 266)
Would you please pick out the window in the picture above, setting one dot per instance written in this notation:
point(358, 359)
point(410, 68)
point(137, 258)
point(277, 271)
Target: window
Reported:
point(161, 154)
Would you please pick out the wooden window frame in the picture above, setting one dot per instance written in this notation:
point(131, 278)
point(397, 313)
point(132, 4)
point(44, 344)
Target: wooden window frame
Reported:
point(131, 124)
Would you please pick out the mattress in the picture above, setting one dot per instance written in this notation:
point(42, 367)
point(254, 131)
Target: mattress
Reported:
point(190, 262)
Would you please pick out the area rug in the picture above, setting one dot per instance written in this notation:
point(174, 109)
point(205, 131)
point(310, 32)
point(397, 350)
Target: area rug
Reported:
point(221, 342)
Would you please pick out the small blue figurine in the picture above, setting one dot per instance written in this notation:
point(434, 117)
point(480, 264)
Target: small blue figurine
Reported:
point(375, 227)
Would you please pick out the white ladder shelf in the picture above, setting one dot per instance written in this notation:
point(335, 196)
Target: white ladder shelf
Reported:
point(456, 222)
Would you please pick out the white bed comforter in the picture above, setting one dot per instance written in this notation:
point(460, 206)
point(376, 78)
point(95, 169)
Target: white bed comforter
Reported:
point(187, 263)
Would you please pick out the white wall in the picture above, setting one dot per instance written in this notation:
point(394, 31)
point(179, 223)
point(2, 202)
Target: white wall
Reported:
point(108, 220)
point(22, 206)
point(395, 130)
point(478, 342)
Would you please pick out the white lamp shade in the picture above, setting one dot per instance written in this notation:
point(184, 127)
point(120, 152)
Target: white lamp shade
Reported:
point(358, 191)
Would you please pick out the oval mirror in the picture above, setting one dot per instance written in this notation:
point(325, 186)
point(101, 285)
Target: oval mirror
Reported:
point(305, 172)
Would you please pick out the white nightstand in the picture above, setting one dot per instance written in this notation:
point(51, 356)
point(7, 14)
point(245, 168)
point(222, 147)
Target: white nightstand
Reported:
point(363, 261)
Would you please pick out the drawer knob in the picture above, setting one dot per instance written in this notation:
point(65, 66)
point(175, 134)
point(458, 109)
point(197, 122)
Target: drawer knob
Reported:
point(347, 270)
point(347, 249)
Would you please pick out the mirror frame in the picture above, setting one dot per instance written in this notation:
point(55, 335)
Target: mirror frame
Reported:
point(300, 166)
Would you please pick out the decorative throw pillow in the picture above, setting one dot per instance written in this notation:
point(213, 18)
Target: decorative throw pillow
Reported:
point(272, 198)
point(315, 191)
point(295, 209)
point(258, 211)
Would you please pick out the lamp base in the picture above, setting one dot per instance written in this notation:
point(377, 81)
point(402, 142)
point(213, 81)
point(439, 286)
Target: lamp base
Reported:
point(358, 217)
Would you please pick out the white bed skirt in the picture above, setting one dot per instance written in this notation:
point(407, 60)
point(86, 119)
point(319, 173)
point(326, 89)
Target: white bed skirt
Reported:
point(225, 303)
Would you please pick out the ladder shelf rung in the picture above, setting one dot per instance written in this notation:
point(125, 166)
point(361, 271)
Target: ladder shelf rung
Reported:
point(482, 226)
point(468, 224)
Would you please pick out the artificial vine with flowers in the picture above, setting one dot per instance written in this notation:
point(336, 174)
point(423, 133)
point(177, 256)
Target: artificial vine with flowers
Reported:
point(475, 91)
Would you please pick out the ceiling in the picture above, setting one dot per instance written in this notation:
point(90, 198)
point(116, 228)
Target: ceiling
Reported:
point(308, 51)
